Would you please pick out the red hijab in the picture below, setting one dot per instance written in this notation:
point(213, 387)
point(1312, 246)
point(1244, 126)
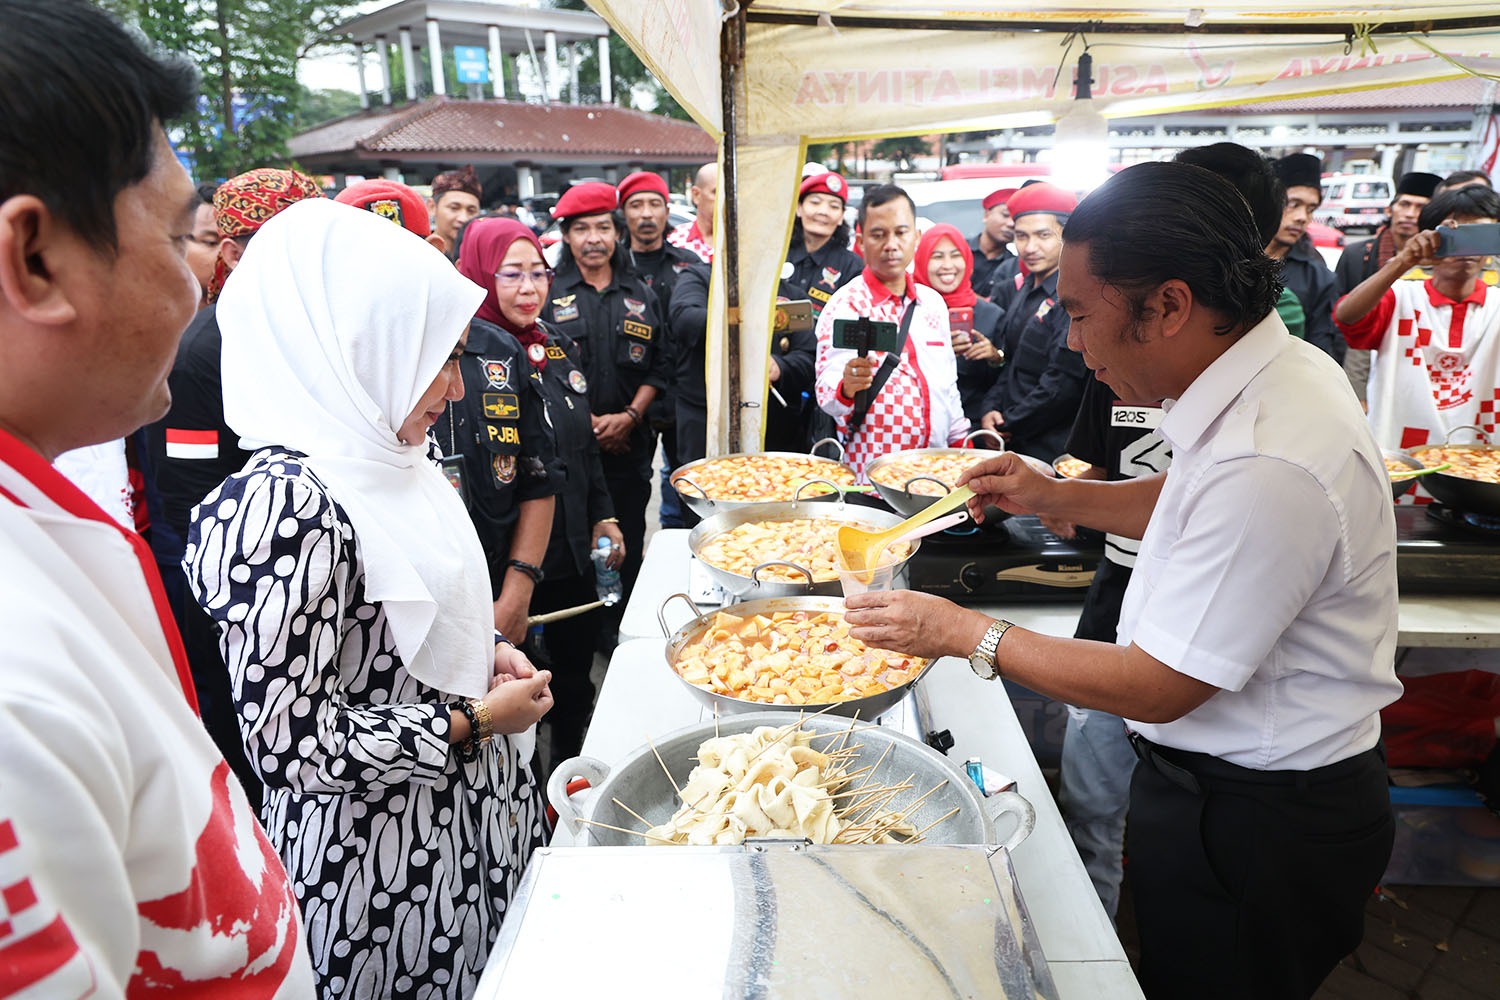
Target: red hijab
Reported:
point(485, 243)
point(963, 296)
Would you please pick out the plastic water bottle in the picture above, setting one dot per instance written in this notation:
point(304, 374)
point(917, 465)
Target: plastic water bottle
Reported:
point(536, 647)
point(606, 580)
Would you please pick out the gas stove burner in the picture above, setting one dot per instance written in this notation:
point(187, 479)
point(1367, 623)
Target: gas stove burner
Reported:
point(1011, 559)
point(1479, 525)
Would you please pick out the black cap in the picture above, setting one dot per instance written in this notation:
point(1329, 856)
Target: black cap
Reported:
point(1418, 183)
point(1300, 170)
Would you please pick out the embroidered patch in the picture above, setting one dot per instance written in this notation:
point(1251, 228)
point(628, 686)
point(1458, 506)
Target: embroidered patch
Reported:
point(501, 406)
point(831, 277)
point(496, 373)
point(819, 295)
point(505, 468)
point(556, 353)
point(640, 331)
point(635, 307)
point(637, 352)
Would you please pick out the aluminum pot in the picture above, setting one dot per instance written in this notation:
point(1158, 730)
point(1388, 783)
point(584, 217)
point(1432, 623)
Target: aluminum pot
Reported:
point(835, 475)
point(640, 783)
point(866, 708)
point(755, 585)
point(1472, 496)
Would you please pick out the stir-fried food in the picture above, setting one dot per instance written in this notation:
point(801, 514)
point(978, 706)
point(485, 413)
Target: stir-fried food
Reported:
point(1071, 467)
point(942, 466)
point(808, 542)
point(760, 478)
point(790, 658)
point(1482, 464)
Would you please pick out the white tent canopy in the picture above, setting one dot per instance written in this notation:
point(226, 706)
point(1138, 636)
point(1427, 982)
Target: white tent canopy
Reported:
point(786, 73)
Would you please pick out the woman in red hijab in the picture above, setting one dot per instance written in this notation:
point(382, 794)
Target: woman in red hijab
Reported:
point(530, 432)
point(945, 263)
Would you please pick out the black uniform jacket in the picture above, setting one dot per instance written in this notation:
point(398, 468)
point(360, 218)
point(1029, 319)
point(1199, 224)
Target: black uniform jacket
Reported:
point(1041, 382)
point(976, 378)
point(584, 500)
point(1304, 271)
point(987, 271)
point(499, 433)
point(622, 340)
point(659, 269)
point(689, 320)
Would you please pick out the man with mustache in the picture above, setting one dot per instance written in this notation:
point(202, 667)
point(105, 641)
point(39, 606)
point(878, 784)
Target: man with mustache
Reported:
point(600, 301)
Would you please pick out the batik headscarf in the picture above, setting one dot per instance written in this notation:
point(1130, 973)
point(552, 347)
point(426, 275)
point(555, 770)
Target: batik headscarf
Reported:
point(465, 180)
point(245, 203)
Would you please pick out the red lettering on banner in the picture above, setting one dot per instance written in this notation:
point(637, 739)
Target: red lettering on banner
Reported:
point(810, 91)
point(839, 84)
point(874, 87)
point(947, 88)
point(916, 79)
point(1038, 81)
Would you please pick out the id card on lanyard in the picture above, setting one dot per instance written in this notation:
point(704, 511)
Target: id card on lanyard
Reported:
point(453, 470)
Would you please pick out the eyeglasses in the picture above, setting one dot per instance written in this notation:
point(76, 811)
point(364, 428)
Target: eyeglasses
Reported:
point(512, 277)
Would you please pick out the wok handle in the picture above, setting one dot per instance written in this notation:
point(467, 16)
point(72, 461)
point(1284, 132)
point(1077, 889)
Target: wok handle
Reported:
point(931, 479)
point(1478, 431)
point(1012, 804)
point(661, 612)
point(755, 573)
point(594, 771)
point(828, 440)
point(985, 432)
point(702, 493)
point(797, 496)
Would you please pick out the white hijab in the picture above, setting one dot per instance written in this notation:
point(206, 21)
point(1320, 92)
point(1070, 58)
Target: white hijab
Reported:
point(335, 323)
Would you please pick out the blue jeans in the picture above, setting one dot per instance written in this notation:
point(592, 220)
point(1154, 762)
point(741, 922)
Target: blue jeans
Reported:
point(1094, 796)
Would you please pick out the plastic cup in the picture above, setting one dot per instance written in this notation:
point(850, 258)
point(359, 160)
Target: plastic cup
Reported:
point(857, 581)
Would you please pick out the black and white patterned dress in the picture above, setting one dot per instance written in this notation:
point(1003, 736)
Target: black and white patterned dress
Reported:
point(402, 856)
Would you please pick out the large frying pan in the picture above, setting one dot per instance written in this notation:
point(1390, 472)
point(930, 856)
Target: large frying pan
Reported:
point(1474, 496)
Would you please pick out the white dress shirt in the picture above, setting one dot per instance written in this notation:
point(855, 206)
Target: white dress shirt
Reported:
point(1268, 568)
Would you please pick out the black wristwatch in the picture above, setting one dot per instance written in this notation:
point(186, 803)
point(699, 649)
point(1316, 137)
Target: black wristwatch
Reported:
point(535, 572)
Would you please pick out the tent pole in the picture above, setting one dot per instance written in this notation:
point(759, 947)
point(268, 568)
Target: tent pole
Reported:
point(731, 64)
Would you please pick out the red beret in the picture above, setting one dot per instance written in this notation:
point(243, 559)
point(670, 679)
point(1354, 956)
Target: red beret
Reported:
point(825, 183)
point(998, 197)
point(1044, 197)
point(643, 180)
point(389, 200)
point(588, 198)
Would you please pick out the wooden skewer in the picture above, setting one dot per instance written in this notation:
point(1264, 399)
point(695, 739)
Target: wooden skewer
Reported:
point(920, 833)
point(663, 764)
point(621, 829)
point(631, 811)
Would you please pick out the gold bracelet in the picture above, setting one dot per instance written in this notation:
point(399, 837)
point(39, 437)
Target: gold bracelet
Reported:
point(608, 520)
point(484, 723)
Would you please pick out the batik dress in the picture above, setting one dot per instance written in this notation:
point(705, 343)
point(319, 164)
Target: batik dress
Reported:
point(402, 856)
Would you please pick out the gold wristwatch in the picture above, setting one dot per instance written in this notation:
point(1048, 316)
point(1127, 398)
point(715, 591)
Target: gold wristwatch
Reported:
point(982, 660)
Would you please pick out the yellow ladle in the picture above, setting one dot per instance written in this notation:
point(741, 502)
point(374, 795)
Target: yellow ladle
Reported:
point(861, 549)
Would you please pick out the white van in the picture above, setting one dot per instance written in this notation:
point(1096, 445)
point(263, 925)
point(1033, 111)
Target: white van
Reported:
point(1355, 201)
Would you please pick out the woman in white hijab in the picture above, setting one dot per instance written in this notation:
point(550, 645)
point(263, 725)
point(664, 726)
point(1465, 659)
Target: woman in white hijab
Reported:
point(352, 603)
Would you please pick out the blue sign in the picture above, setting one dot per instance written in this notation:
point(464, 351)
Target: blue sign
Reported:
point(473, 62)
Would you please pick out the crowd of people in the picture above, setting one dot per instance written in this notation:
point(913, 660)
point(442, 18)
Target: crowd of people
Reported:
point(269, 720)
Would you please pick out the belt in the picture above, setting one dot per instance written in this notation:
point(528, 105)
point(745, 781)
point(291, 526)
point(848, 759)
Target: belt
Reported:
point(1187, 769)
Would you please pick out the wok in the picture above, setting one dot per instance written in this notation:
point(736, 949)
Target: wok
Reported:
point(755, 585)
point(867, 707)
point(698, 499)
point(641, 783)
point(1470, 495)
point(1400, 487)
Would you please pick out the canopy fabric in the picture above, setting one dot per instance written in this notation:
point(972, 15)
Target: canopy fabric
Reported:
point(826, 70)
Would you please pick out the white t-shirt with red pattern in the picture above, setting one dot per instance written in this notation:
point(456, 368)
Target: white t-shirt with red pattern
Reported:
point(131, 863)
point(689, 237)
point(919, 405)
point(1436, 365)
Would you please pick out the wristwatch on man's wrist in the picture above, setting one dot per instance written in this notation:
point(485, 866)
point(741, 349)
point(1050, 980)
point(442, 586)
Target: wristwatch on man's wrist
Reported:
point(982, 661)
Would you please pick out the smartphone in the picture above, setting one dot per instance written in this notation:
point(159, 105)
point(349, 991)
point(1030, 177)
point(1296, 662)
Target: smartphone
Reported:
point(864, 335)
point(1475, 239)
point(961, 319)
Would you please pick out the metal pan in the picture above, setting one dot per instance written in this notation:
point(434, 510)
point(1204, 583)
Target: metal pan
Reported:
point(757, 586)
point(834, 474)
point(906, 500)
point(1399, 487)
point(1470, 495)
point(866, 708)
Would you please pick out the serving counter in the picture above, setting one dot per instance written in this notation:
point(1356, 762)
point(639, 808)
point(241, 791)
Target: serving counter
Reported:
point(641, 699)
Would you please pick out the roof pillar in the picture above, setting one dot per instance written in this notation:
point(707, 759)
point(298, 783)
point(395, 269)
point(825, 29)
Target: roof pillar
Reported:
point(408, 64)
point(497, 62)
point(551, 84)
point(383, 56)
point(435, 57)
point(359, 67)
point(606, 76)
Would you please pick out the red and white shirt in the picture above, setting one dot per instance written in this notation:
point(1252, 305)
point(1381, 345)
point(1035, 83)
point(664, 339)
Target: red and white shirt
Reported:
point(130, 860)
point(689, 237)
point(1436, 365)
point(919, 405)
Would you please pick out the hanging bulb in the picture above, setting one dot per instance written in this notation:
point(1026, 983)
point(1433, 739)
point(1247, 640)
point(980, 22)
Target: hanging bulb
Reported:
point(1080, 144)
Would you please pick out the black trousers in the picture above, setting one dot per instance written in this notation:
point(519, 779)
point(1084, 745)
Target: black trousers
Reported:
point(1252, 884)
point(628, 477)
point(569, 655)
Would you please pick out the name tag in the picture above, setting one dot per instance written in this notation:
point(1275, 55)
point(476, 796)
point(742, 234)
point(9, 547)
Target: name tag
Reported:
point(1135, 416)
point(564, 314)
point(504, 434)
point(819, 294)
point(641, 331)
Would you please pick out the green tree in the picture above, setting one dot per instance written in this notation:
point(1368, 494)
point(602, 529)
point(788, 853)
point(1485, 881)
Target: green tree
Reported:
point(901, 149)
point(317, 106)
point(247, 52)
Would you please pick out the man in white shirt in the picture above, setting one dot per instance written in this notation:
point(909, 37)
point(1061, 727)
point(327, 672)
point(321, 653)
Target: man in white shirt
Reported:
point(130, 861)
point(1256, 641)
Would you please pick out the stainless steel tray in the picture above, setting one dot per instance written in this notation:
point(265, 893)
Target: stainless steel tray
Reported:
point(769, 920)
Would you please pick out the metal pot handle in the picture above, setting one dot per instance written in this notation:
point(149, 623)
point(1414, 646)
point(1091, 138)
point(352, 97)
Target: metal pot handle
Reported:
point(1479, 431)
point(931, 479)
point(594, 771)
point(755, 573)
point(797, 496)
point(702, 493)
point(822, 441)
point(985, 432)
point(1009, 804)
point(661, 612)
